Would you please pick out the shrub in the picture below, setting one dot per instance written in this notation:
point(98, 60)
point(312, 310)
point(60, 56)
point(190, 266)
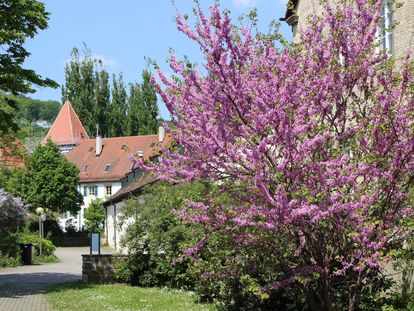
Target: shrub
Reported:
point(45, 259)
point(47, 246)
point(9, 261)
point(50, 226)
point(12, 217)
point(94, 216)
point(157, 238)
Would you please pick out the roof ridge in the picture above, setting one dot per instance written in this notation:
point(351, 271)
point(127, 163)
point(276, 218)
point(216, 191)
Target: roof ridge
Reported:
point(70, 118)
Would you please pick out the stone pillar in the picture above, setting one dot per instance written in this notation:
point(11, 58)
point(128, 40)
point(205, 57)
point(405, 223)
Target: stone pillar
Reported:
point(97, 269)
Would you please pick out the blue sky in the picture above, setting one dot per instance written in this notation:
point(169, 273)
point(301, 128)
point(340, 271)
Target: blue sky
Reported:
point(122, 33)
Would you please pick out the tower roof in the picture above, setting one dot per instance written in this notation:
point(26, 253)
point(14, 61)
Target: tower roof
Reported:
point(67, 128)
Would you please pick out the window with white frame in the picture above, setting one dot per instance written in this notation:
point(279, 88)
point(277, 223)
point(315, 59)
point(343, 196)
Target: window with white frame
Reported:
point(385, 33)
point(93, 190)
point(108, 190)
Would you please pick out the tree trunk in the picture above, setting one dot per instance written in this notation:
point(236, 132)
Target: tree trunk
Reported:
point(324, 292)
point(353, 291)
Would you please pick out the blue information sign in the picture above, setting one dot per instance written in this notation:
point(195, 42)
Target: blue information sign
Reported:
point(95, 243)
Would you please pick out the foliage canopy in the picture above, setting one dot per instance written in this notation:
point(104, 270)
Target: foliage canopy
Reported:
point(314, 142)
point(49, 181)
point(19, 20)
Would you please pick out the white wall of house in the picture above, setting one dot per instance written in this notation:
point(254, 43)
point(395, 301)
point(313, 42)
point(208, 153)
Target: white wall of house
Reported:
point(91, 191)
point(113, 230)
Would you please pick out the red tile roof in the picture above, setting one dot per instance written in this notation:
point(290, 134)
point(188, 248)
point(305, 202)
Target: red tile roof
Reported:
point(67, 128)
point(113, 163)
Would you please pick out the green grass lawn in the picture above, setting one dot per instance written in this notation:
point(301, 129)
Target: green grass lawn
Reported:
point(87, 297)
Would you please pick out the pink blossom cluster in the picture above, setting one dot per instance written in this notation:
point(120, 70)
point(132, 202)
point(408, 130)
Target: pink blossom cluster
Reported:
point(315, 139)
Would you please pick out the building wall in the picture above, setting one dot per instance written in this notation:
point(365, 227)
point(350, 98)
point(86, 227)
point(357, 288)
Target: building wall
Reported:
point(78, 219)
point(403, 33)
point(113, 230)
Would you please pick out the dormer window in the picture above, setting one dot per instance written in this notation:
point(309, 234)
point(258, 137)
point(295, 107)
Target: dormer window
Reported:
point(85, 168)
point(107, 168)
point(90, 149)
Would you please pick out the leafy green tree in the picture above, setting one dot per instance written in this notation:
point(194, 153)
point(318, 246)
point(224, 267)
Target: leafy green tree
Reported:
point(19, 20)
point(143, 108)
point(87, 87)
point(118, 108)
point(149, 98)
point(102, 101)
point(29, 109)
point(136, 110)
point(49, 181)
point(95, 216)
point(80, 86)
point(158, 237)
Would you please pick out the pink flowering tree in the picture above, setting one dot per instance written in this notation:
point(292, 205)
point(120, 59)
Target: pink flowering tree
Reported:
point(313, 141)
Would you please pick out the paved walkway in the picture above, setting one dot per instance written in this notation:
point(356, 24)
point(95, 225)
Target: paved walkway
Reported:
point(21, 288)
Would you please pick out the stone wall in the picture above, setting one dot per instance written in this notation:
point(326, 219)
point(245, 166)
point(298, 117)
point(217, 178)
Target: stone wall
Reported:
point(97, 269)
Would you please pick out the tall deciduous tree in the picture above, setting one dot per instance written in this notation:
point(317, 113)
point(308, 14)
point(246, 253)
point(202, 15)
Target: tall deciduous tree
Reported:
point(143, 107)
point(19, 20)
point(149, 98)
point(49, 181)
point(80, 87)
point(102, 102)
point(119, 107)
point(314, 142)
point(136, 110)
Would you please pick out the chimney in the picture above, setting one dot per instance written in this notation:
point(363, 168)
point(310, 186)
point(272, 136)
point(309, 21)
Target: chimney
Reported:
point(161, 134)
point(98, 148)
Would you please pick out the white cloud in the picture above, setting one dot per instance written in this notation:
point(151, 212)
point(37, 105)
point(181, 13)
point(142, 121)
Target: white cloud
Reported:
point(106, 61)
point(243, 3)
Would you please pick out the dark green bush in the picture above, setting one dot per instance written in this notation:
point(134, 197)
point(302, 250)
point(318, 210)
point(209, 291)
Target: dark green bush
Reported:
point(8, 261)
point(47, 246)
point(50, 226)
point(159, 237)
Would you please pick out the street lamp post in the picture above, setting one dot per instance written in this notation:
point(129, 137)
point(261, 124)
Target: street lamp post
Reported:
point(42, 218)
